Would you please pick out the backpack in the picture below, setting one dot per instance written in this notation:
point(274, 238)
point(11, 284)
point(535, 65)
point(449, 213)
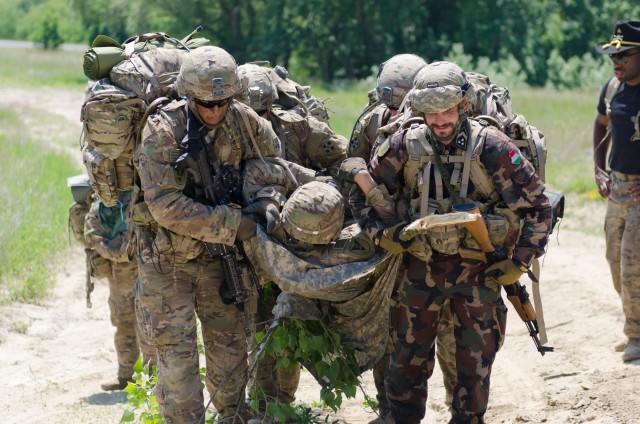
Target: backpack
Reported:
point(292, 95)
point(142, 70)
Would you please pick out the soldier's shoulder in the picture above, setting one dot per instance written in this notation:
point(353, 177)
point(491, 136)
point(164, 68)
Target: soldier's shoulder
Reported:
point(289, 116)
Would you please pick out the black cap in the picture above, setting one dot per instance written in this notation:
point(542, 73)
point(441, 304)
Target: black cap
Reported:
point(626, 35)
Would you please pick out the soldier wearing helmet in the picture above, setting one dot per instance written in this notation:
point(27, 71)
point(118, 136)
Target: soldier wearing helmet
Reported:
point(429, 168)
point(305, 140)
point(395, 79)
point(181, 279)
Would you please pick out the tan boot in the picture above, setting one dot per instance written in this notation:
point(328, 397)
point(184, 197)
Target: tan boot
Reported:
point(619, 347)
point(632, 351)
point(115, 384)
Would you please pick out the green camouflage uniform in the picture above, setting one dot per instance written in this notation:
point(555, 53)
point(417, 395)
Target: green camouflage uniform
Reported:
point(181, 278)
point(475, 302)
point(105, 232)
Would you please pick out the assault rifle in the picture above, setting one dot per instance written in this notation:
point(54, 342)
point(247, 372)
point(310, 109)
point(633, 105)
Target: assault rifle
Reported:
point(216, 187)
point(516, 293)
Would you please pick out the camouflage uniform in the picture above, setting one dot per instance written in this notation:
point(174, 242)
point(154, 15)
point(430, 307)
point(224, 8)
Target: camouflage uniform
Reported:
point(181, 278)
point(105, 232)
point(618, 146)
point(306, 141)
point(476, 305)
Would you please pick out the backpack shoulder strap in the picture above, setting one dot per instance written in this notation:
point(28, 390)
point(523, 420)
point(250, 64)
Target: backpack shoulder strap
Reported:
point(612, 88)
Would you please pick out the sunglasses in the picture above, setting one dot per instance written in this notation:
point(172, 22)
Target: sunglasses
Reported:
point(210, 104)
point(620, 58)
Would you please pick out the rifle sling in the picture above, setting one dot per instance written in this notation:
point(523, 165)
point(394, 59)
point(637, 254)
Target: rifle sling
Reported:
point(537, 301)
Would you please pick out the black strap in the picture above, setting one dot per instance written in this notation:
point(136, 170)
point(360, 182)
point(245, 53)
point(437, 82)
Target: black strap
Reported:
point(443, 171)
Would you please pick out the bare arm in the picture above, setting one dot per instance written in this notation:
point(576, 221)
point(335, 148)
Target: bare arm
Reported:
point(601, 142)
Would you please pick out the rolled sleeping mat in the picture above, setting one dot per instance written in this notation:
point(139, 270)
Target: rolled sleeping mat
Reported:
point(98, 61)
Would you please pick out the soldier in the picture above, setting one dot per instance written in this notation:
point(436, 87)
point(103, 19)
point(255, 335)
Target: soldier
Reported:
point(182, 278)
point(305, 140)
point(416, 166)
point(617, 127)
point(395, 79)
point(106, 232)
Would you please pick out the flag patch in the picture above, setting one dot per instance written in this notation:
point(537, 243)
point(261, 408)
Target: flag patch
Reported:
point(515, 157)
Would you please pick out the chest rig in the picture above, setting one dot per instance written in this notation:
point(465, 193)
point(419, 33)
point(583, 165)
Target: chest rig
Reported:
point(467, 168)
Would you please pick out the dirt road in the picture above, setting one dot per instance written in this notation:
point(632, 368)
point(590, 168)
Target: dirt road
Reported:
point(55, 354)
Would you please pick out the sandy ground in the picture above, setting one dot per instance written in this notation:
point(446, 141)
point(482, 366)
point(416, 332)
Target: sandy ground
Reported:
point(55, 354)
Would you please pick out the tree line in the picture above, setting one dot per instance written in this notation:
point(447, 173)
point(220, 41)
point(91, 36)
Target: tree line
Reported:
point(346, 39)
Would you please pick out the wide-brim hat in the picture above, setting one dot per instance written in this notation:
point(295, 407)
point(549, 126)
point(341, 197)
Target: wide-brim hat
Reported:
point(626, 35)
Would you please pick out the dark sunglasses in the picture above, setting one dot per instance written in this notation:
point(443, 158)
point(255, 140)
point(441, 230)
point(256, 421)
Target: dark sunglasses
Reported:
point(210, 104)
point(621, 58)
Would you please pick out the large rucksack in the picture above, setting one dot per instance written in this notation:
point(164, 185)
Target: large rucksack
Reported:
point(133, 76)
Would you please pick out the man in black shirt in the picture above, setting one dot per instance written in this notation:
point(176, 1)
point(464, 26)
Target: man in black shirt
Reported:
point(617, 131)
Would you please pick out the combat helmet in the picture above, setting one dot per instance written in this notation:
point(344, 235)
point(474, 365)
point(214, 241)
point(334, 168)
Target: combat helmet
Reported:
point(314, 213)
point(208, 73)
point(261, 92)
point(440, 86)
point(395, 78)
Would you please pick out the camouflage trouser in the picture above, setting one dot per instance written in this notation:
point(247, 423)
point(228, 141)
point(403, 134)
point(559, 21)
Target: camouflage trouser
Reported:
point(283, 383)
point(622, 229)
point(128, 339)
point(171, 295)
point(479, 317)
point(445, 352)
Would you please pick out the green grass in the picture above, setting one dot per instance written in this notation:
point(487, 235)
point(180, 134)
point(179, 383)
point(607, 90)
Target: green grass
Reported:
point(40, 68)
point(33, 219)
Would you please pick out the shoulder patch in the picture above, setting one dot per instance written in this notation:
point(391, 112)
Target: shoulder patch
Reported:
point(383, 148)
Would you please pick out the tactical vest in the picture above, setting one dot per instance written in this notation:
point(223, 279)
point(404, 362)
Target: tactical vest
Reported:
point(501, 222)
point(374, 115)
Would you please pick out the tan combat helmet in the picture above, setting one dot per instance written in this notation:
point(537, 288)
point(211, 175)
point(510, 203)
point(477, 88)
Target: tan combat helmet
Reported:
point(440, 86)
point(208, 73)
point(314, 213)
point(395, 78)
point(261, 92)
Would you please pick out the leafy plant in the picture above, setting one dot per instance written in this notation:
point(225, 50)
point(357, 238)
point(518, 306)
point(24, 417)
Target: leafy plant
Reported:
point(319, 349)
point(141, 397)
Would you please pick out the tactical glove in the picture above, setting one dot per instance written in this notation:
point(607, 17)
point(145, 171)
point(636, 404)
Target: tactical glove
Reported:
point(247, 228)
point(267, 210)
point(350, 167)
point(505, 272)
point(389, 239)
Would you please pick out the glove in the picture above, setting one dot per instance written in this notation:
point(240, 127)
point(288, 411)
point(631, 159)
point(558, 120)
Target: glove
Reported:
point(267, 210)
point(388, 239)
point(247, 228)
point(505, 272)
point(350, 167)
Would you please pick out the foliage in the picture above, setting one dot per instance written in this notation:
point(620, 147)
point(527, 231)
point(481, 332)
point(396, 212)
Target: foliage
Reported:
point(336, 39)
point(143, 403)
point(33, 218)
point(319, 350)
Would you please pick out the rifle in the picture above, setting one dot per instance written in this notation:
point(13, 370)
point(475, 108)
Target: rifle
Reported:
point(516, 293)
point(89, 285)
point(216, 188)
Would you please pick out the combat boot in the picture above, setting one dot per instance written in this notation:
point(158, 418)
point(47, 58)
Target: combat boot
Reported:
point(632, 351)
point(384, 418)
point(619, 347)
point(115, 384)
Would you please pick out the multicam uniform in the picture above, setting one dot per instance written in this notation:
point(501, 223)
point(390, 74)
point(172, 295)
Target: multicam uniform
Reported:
point(479, 312)
point(105, 231)
point(181, 278)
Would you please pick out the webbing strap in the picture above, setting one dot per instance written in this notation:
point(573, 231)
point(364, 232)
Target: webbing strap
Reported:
point(245, 120)
point(537, 301)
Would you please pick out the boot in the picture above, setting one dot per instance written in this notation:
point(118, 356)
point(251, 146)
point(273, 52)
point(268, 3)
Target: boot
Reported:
point(384, 418)
point(115, 384)
point(632, 351)
point(619, 347)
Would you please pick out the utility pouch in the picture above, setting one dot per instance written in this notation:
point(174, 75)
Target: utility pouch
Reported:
point(497, 226)
point(446, 239)
point(100, 267)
